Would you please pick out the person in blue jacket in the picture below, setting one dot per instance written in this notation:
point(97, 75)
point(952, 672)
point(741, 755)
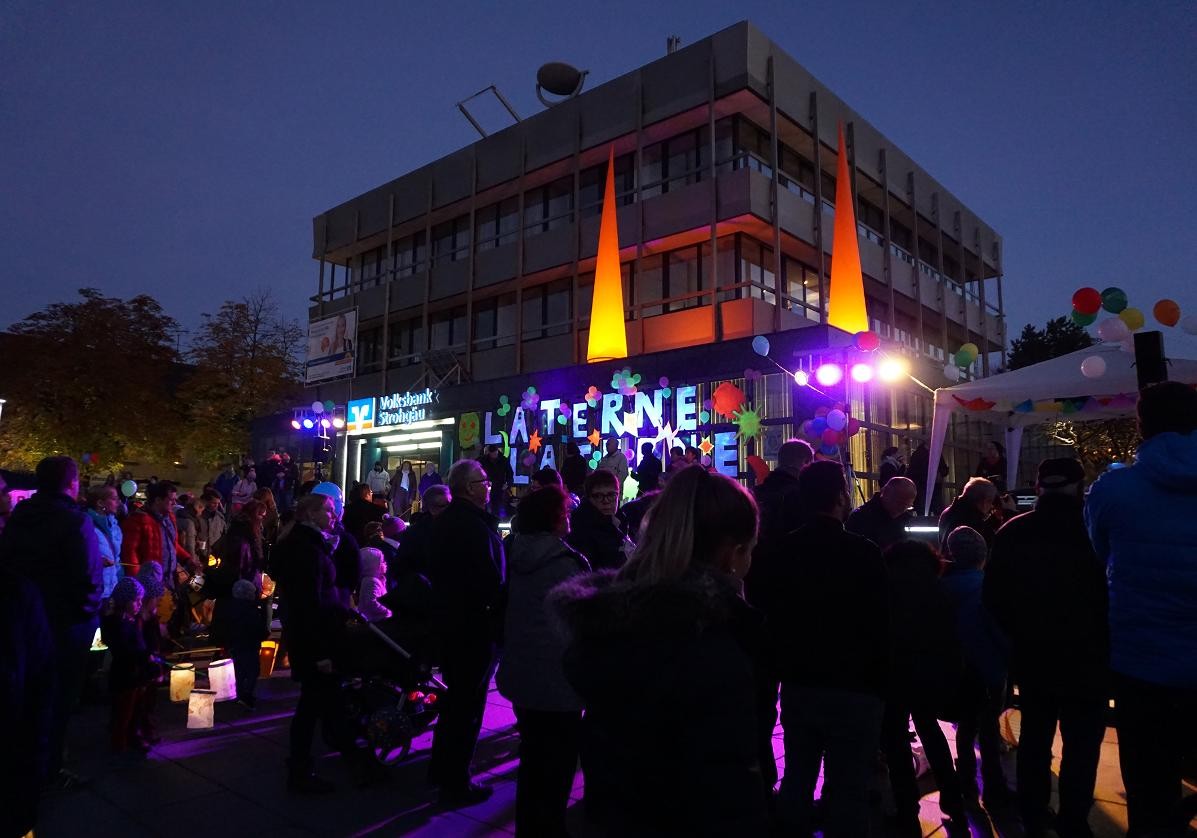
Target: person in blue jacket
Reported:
point(1143, 523)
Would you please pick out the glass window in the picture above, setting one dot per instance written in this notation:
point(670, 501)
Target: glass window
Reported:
point(407, 341)
point(547, 310)
point(650, 286)
point(410, 254)
point(451, 240)
point(592, 183)
point(684, 278)
point(497, 224)
point(494, 322)
point(448, 328)
point(549, 207)
point(369, 349)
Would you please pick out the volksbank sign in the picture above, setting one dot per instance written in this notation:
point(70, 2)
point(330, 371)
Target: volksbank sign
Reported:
point(388, 411)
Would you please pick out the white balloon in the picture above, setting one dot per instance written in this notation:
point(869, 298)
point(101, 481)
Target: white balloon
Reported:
point(1113, 330)
point(1189, 324)
point(317, 408)
point(951, 372)
point(1093, 367)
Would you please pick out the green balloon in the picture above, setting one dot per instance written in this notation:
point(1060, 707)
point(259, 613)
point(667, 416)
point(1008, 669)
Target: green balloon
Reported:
point(1113, 300)
point(963, 359)
point(329, 406)
point(1082, 319)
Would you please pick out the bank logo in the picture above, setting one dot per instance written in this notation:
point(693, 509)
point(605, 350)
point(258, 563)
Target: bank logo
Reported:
point(359, 415)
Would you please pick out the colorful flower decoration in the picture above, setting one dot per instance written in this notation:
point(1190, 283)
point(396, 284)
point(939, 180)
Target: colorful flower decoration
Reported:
point(504, 406)
point(749, 423)
point(534, 441)
point(592, 396)
point(624, 381)
point(530, 400)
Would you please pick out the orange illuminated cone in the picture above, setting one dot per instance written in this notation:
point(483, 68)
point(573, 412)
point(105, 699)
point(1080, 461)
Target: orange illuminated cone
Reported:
point(608, 339)
point(846, 304)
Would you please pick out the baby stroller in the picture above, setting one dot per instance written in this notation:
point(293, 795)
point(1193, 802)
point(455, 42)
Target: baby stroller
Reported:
point(389, 694)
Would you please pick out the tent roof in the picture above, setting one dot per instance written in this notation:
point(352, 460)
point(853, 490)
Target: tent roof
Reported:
point(1054, 388)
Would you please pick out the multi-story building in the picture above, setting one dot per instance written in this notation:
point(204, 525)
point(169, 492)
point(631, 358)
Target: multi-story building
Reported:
point(472, 277)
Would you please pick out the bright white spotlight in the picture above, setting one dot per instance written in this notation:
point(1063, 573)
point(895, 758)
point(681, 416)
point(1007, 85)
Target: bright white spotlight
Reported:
point(802, 378)
point(862, 373)
point(338, 422)
point(892, 370)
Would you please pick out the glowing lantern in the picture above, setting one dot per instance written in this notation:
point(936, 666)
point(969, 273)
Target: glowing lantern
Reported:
point(182, 680)
point(608, 339)
point(222, 680)
point(200, 709)
point(862, 373)
point(846, 305)
point(829, 375)
point(266, 653)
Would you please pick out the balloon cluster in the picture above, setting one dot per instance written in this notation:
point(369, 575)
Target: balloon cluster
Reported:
point(830, 429)
point(962, 359)
point(1087, 303)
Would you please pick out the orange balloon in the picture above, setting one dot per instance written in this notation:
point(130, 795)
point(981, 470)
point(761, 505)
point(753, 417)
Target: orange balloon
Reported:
point(1166, 312)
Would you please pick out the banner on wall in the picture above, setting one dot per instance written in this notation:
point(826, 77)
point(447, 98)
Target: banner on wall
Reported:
point(332, 345)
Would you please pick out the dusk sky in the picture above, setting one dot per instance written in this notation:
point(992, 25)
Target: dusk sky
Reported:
point(182, 150)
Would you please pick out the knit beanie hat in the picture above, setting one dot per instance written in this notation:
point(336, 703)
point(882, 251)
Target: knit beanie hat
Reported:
point(245, 589)
point(127, 590)
point(150, 577)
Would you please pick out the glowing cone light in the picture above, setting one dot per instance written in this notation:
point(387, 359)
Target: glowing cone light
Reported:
point(608, 339)
point(846, 304)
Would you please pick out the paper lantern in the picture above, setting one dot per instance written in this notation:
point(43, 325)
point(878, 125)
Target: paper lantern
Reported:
point(1093, 367)
point(760, 345)
point(200, 707)
point(1189, 324)
point(1083, 319)
point(222, 680)
point(1133, 318)
point(129, 488)
point(1166, 312)
point(182, 680)
point(1086, 301)
point(837, 420)
point(1112, 330)
point(1113, 300)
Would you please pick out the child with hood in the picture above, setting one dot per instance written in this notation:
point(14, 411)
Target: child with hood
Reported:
point(133, 668)
point(373, 585)
point(239, 625)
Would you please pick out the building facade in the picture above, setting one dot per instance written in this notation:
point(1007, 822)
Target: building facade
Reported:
point(470, 279)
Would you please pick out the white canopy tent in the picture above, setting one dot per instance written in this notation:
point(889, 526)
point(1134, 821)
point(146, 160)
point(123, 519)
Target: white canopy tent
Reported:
point(1044, 392)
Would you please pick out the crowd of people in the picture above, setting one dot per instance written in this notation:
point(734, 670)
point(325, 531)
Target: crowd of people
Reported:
point(655, 642)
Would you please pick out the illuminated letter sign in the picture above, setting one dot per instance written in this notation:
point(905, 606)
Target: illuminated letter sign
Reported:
point(359, 415)
point(404, 408)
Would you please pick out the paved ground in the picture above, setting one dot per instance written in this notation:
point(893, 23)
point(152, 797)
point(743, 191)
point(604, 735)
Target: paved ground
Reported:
point(228, 782)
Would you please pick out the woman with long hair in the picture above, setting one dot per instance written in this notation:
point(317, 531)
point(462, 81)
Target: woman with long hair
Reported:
point(668, 660)
point(270, 521)
point(241, 552)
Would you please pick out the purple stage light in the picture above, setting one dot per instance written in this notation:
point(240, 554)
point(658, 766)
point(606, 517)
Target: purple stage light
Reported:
point(295, 424)
point(829, 375)
point(308, 424)
point(862, 373)
point(324, 423)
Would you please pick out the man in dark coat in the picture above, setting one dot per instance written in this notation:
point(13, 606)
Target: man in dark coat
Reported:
point(596, 530)
point(468, 572)
point(313, 621)
point(972, 509)
point(648, 473)
point(51, 542)
point(1047, 589)
point(882, 519)
point(361, 510)
point(26, 700)
point(828, 609)
point(778, 501)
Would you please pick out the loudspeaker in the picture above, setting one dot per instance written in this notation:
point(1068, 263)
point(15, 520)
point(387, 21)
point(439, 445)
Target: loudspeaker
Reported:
point(1150, 364)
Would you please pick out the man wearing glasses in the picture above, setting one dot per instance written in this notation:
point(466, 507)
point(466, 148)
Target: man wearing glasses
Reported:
point(467, 573)
point(596, 530)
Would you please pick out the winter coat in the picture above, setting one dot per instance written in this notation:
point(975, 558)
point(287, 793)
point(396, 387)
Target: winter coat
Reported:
point(891, 468)
point(827, 607)
point(573, 473)
point(131, 664)
point(1143, 522)
point(27, 677)
point(780, 511)
point(598, 538)
point(239, 624)
point(313, 615)
point(927, 664)
point(1047, 590)
point(666, 673)
point(242, 493)
point(982, 643)
point(347, 560)
point(430, 478)
point(617, 464)
point(144, 540)
point(963, 513)
point(241, 557)
point(372, 589)
point(467, 571)
point(224, 484)
point(360, 512)
point(648, 473)
point(53, 544)
point(871, 520)
point(108, 538)
point(210, 527)
point(531, 674)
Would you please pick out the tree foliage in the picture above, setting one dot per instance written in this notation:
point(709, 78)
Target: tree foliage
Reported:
point(93, 376)
point(246, 362)
point(1059, 337)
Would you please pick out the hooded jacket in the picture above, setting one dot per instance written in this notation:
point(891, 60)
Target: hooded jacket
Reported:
point(313, 616)
point(531, 673)
point(670, 678)
point(108, 539)
point(52, 543)
point(597, 537)
point(1143, 524)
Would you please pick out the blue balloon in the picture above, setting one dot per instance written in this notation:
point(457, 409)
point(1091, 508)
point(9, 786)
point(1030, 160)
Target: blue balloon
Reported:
point(760, 345)
point(333, 491)
point(818, 426)
point(829, 450)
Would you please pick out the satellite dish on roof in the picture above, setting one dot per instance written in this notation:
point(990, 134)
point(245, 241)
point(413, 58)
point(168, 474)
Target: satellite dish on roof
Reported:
point(559, 79)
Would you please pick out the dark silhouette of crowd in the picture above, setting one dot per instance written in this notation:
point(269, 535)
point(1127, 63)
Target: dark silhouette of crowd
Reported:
point(656, 654)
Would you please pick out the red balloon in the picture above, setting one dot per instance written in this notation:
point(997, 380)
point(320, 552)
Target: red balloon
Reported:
point(830, 437)
point(853, 427)
point(867, 341)
point(1087, 300)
